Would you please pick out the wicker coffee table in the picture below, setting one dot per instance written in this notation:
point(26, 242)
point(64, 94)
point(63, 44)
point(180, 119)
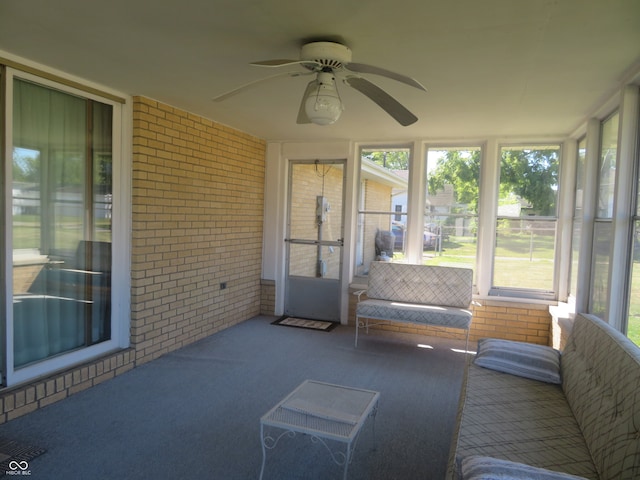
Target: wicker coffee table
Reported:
point(324, 411)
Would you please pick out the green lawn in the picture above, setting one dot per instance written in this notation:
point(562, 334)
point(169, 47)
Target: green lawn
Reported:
point(633, 328)
point(68, 231)
point(521, 261)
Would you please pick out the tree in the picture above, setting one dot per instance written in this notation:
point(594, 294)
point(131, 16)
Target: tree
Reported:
point(532, 175)
point(390, 159)
point(460, 170)
point(527, 173)
point(26, 166)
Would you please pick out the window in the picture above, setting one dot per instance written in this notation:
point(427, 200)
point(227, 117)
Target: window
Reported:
point(603, 228)
point(60, 222)
point(382, 212)
point(577, 216)
point(633, 319)
point(451, 210)
point(524, 255)
point(398, 216)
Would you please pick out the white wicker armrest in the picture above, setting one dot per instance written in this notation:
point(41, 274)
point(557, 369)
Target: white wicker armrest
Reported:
point(359, 293)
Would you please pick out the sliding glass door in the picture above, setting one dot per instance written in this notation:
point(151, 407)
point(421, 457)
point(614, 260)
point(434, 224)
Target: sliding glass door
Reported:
point(60, 225)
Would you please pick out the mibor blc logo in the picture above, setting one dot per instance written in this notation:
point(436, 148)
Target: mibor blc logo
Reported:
point(17, 467)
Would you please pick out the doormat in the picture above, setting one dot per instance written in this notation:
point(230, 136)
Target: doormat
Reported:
point(305, 323)
point(15, 457)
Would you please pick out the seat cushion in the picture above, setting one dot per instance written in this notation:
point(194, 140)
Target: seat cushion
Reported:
point(520, 420)
point(415, 313)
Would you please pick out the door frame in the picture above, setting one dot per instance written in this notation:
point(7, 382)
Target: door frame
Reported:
point(318, 284)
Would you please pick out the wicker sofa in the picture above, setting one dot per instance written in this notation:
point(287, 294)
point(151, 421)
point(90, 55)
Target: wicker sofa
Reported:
point(586, 425)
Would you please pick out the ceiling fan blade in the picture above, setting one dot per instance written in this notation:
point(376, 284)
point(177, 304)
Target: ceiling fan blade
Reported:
point(281, 62)
point(389, 104)
point(302, 113)
point(363, 68)
point(249, 85)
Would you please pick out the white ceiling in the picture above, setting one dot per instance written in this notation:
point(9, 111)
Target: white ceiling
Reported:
point(491, 67)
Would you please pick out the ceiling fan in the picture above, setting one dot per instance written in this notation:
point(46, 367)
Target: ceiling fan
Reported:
point(321, 103)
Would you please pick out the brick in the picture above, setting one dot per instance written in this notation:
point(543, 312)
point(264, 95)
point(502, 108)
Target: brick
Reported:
point(18, 412)
point(49, 399)
point(80, 387)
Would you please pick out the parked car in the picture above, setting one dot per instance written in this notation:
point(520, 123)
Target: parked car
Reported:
point(438, 230)
point(429, 239)
point(398, 233)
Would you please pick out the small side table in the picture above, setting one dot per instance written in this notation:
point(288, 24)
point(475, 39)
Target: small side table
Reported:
point(325, 412)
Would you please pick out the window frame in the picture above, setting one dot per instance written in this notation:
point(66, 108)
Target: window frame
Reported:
point(577, 216)
point(603, 221)
point(121, 219)
point(528, 294)
point(392, 213)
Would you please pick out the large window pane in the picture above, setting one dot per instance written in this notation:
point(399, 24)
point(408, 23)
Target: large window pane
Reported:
point(603, 234)
point(61, 208)
point(633, 320)
point(526, 222)
point(102, 166)
point(602, 238)
point(382, 211)
point(607, 166)
point(577, 215)
point(451, 210)
point(633, 324)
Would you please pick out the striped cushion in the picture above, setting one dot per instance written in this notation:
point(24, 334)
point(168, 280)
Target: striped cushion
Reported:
point(488, 468)
point(528, 360)
point(415, 313)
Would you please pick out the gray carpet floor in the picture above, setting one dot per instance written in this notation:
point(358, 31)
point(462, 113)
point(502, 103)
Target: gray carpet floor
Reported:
point(194, 413)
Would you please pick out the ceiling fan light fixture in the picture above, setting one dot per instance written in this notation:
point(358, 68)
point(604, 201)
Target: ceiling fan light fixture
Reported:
point(323, 105)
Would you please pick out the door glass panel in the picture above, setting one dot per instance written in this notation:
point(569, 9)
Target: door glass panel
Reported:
point(316, 202)
point(314, 261)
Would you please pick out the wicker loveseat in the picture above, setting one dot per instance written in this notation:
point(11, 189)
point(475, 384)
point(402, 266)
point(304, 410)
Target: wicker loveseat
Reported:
point(422, 294)
point(586, 425)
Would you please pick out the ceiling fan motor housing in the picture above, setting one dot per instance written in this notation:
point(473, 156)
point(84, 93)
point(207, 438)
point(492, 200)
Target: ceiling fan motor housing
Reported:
point(327, 54)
